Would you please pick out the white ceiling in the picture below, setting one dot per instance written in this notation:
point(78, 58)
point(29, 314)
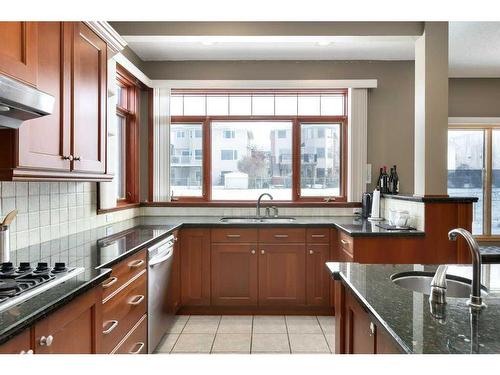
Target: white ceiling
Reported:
point(474, 49)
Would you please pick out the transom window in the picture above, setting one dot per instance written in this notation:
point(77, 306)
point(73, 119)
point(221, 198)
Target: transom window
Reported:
point(289, 144)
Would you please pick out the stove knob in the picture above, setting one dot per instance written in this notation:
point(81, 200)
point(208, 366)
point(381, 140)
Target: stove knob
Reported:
point(24, 266)
point(42, 266)
point(6, 267)
point(60, 266)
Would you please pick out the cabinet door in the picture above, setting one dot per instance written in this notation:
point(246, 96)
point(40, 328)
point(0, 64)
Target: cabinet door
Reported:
point(20, 344)
point(36, 149)
point(317, 277)
point(73, 329)
point(234, 274)
point(282, 272)
point(18, 52)
point(89, 100)
point(360, 330)
point(195, 267)
point(174, 288)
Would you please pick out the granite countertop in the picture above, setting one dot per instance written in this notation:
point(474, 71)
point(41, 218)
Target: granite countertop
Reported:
point(406, 315)
point(416, 198)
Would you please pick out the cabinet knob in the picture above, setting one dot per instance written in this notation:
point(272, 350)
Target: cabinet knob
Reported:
point(262, 252)
point(372, 329)
point(252, 251)
point(30, 351)
point(77, 158)
point(68, 157)
point(311, 252)
point(46, 340)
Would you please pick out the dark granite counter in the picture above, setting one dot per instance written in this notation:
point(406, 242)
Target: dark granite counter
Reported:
point(406, 315)
point(414, 198)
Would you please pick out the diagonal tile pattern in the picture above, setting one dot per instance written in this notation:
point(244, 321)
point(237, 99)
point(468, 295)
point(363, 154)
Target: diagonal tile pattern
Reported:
point(245, 334)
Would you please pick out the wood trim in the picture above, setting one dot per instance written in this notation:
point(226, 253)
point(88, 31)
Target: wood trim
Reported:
point(242, 91)
point(120, 207)
point(255, 310)
point(202, 203)
point(150, 143)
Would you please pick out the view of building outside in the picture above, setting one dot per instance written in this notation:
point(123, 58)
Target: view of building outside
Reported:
point(186, 156)
point(495, 181)
point(465, 170)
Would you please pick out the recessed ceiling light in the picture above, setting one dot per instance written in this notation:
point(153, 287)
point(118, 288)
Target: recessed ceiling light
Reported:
point(324, 43)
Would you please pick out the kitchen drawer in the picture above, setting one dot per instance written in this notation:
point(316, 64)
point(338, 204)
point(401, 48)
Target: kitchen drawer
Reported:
point(234, 235)
point(318, 235)
point(136, 341)
point(282, 235)
point(20, 344)
point(123, 272)
point(346, 247)
point(122, 311)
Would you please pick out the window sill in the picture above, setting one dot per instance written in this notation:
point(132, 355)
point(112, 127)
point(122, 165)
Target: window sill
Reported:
point(121, 206)
point(252, 204)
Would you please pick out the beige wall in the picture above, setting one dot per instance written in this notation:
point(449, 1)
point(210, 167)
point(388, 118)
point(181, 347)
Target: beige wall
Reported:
point(390, 106)
point(474, 97)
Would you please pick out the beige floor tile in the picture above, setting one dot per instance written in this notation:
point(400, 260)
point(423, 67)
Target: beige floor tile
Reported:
point(194, 343)
point(303, 324)
point(235, 324)
point(179, 323)
point(269, 324)
point(232, 343)
point(327, 323)
point(202, 324)
point(308, 343)
point(270, 343)
point(167, 343)
point(330, 339)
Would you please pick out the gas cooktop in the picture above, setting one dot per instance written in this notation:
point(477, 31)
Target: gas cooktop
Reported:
point(17, 284)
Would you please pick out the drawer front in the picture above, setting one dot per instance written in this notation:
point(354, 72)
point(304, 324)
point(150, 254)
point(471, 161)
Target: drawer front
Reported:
point(20, 344)
point(346, 246)
point(318, 235)
point(136, 341)
point(282, 235)
point(234, 235)
point(122, 311)
point(123, 272)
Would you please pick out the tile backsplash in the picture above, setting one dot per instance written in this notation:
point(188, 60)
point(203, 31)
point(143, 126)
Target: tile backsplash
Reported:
point(415, 209)
point(50, 210)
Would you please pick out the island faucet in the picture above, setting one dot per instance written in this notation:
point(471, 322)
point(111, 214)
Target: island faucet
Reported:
point(258, 202)
point(439, 285)
point(475, 300)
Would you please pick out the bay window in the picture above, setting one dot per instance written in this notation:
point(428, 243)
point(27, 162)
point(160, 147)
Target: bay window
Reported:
point(289, 144)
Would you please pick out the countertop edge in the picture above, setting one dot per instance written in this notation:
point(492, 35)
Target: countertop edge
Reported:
point(42, 312)
point(339, 276)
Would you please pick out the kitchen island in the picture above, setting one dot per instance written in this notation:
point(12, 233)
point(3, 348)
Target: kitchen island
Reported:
point(374, 315)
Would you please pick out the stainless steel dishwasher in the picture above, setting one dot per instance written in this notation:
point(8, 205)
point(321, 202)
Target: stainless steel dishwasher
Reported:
point(160, 317)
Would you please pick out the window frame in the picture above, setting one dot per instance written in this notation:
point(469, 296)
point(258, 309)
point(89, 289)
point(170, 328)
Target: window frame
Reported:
point(296, 121)
point(131, 88)
point(487, 176)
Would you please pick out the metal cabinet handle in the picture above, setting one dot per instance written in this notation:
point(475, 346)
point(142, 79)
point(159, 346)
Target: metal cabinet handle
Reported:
point(77, 158)
point(46, 340)
point(136, 263)
point(67, 157)
point(344, 242)
point(30, 351)
point(114, 324)
point(139, 345)
point(233, 235)
point(317, 235)
point(262, 252)
point(252, 251)
point(111, 281)
point(372, 329)
point(281, 236)
point(311, 252)
point(136, 300)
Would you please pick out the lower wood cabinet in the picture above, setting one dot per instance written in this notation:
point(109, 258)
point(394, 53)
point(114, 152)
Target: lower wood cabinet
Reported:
point(20, 344)
point(317, 277)
point(282, 272)
point(234, 274)
point(136, 340)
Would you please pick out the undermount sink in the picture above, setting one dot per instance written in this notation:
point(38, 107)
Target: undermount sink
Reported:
point(255, 219)
point(418, 281)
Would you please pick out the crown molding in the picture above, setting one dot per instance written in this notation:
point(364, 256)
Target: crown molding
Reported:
point(102, 28)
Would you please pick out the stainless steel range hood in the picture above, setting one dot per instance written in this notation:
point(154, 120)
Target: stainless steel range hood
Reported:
point(20, 102)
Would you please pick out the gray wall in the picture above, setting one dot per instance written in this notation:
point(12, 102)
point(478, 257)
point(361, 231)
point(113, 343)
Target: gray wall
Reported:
point(474, 97)
point(390, 106)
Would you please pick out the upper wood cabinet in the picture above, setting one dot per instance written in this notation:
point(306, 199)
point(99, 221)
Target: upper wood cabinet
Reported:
point(70, 62)
point(19, 50)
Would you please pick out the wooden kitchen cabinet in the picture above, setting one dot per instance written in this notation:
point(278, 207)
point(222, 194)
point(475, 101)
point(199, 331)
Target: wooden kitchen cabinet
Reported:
point(282, 274)
point(234, 274)
point(20, 344)
point(359, 329)
point(174, 285)
point(195, 267)
point(75, 328)
point(19, 50)
point(318, 279)
point(71, 65)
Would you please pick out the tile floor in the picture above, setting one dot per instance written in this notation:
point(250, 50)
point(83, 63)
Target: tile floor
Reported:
point(245, 334)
